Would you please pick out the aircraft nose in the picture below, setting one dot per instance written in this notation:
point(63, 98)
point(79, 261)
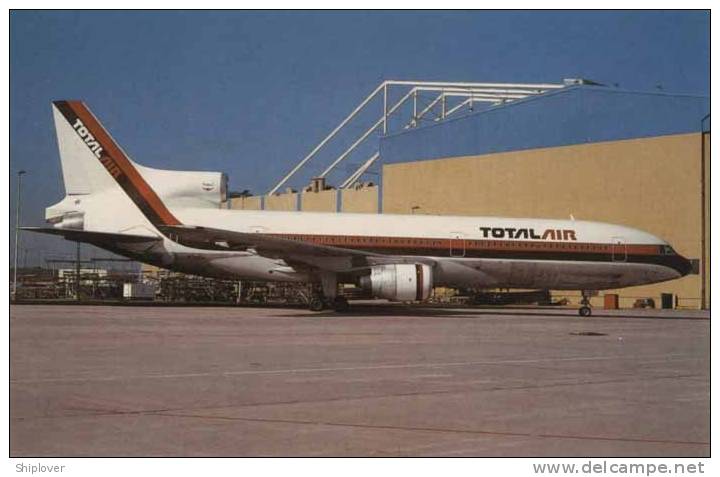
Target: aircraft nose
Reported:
point(678, 263)
point(685, 266)
point(681, 265)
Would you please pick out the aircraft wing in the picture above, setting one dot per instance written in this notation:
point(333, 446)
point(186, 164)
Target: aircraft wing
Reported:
point(294, 252)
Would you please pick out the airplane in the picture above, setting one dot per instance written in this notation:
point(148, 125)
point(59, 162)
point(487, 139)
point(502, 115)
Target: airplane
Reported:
point(179, 220)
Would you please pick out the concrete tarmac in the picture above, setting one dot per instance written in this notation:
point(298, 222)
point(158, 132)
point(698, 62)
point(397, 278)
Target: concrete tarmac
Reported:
point(379, 381)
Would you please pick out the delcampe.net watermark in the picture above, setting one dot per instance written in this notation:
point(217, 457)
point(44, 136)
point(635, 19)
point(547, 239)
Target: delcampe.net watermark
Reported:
point(620, 468)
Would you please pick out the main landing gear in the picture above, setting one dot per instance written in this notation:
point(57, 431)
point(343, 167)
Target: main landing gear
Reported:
point(341, 304)
point(326, 296)
point(585, 310)
point(319, 303)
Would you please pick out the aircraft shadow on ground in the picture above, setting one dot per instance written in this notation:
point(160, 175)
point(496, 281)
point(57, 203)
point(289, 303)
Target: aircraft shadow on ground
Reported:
point(371, 311)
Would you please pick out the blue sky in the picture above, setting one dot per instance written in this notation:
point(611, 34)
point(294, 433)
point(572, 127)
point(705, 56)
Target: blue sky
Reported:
point(250, 93)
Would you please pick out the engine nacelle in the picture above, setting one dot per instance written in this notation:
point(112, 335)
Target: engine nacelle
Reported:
point(400, 282)
point(187, 188)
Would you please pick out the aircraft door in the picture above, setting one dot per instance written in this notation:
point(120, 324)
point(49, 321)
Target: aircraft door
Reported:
point(619, 249)
point(457, 244)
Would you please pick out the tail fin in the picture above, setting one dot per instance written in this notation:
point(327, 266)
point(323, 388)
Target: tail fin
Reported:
point(92, 162)
point(82, 172)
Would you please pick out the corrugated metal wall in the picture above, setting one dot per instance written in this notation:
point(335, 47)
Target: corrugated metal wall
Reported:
point(576, 115)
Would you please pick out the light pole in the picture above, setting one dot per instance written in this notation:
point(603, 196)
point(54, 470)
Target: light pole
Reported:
point(17, 231)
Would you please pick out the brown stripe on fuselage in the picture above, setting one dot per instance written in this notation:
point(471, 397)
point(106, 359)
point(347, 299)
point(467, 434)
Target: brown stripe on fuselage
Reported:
point(394, 244)
point(129, 178)
point(499, 249)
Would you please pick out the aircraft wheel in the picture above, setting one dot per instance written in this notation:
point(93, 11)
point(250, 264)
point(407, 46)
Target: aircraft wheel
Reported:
point(316, 304)
point(585, 311)
point(341, 304)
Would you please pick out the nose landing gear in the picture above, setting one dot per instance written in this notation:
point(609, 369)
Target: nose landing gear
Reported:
point(585, 309)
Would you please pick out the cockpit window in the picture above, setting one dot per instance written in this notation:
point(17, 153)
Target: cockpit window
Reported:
point(668, 250)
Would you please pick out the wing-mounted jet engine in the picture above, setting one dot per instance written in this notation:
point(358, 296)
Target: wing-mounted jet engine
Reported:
point(399, 282)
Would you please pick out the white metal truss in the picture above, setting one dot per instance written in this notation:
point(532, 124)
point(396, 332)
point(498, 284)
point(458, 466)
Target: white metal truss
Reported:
point(436, 100)
point(360, 171)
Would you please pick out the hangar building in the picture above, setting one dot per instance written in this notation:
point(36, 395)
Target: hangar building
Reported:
point(586, 151)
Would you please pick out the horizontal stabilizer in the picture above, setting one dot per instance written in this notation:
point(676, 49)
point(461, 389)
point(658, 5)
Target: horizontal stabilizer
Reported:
point(94, 237)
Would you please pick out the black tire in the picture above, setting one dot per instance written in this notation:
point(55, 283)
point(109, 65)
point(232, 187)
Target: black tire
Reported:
point(341, 304)
point(316, 304)
point(585, 311)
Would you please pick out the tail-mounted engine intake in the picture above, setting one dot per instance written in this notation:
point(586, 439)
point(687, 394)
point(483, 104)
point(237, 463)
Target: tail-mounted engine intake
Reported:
point(187, 188)
point(68, 220)
point(402, 282)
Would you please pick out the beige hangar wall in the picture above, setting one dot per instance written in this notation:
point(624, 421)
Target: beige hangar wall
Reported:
point(652, 183)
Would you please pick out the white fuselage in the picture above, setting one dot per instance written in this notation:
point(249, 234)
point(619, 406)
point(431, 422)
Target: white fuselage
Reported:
point(460, 250)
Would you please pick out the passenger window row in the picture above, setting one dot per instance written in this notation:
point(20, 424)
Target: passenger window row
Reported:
point(468, 244)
